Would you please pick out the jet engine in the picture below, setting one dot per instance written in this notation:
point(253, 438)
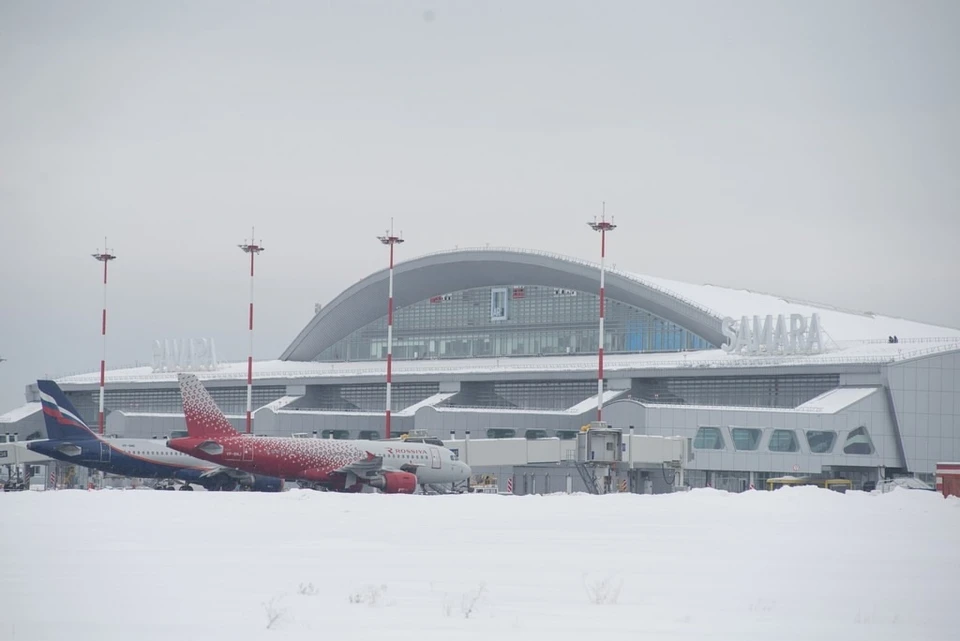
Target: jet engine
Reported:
point(266, 483)
point(395, 482)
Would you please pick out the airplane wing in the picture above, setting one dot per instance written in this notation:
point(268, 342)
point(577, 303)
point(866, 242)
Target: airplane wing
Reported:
point(367, 468)
point(228, 471)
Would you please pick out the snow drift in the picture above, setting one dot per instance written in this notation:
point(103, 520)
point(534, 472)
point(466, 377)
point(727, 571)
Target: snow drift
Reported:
point(798, 563)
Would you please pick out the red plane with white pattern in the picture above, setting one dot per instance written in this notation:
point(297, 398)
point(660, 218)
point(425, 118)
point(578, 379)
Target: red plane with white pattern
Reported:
point(339, 465)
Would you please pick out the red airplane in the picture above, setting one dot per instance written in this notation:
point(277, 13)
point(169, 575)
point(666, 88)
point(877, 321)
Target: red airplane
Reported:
point(340, 465)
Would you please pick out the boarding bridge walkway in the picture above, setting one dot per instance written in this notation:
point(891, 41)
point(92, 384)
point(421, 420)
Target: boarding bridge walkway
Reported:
point(16, 453)
point(638, 451)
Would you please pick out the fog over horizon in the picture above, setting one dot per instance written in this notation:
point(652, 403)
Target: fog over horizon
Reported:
point(807, 150)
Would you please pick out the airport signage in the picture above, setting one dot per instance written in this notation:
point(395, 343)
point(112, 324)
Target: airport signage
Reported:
point(184, 355)
point(774, 335)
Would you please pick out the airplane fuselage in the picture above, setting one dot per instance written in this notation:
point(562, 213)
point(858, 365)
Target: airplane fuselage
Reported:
point(137, 458)
point(317, 460)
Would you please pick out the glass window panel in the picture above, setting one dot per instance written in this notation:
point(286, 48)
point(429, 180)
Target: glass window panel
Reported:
point(821, 442)
point(784, 441)
point(858, 442)
point(708, 438)
point(745, 438)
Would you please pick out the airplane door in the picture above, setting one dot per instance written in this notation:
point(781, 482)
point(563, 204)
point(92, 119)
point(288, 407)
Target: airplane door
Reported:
point(435, 458)
point(247, 452)
point(104, 453)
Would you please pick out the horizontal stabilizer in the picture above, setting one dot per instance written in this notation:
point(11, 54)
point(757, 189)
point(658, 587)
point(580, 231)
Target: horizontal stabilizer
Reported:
point(211, 447)
point(69, 449)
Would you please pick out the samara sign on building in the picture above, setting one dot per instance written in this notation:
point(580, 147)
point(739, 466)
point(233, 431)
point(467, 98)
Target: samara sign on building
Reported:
point(773, 335)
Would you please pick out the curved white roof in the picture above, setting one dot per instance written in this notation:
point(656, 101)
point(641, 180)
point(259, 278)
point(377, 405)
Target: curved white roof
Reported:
point(841, 325)
point(697, 308)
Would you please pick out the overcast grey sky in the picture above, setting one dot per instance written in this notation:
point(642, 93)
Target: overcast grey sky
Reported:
point(808, 148)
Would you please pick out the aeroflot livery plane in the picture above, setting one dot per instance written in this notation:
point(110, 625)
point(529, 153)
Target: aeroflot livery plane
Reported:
point(339, 465)
point(72, 441)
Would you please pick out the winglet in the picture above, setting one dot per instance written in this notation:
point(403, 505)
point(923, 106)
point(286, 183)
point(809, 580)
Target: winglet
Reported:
point(60, 417)
point(204, 418)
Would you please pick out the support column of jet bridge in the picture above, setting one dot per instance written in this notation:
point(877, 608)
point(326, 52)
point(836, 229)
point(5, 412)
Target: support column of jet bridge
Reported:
point(599, 450)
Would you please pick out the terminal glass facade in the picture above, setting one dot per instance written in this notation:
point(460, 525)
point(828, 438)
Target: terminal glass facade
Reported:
point(785, 391)
point(513, 320)
point(232, 400)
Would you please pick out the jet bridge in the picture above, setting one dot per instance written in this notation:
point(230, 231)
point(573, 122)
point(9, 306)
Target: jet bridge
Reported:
point(599, 453)
point(16, 458)
point(16, 453)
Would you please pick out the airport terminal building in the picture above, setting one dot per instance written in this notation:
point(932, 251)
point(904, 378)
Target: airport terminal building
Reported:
point(503, 343)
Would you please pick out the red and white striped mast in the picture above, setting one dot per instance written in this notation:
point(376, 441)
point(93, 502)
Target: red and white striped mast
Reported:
point(602, 226)
point(389, 239)
point(104, 257)
point(253, 248)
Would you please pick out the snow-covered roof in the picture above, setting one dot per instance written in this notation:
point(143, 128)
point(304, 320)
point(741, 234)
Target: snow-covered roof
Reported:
point(866, 353)
point(699, 309)
point(20, 413)
point(410, 410)
point(839, 324)
point(837, 399)
point(827, 403)
point(575, 410)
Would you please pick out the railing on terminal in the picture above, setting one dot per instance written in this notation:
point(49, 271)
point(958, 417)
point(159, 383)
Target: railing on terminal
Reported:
point(609, 365)
point(613, 363)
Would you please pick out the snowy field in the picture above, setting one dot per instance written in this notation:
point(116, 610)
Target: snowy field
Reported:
point(799, 563)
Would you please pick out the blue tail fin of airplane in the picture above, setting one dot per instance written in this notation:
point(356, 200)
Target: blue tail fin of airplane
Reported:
point(61, 418)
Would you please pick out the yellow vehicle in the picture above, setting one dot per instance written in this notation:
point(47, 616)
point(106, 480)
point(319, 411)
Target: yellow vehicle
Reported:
point(837, 485)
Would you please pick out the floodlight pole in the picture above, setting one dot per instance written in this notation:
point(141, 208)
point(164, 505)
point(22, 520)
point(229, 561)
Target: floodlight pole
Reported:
point(253, 248)
point(104, 257)
point(602, 226)
point(390, 239)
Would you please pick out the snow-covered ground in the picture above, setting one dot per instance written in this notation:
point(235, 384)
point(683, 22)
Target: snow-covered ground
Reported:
point(798, 563)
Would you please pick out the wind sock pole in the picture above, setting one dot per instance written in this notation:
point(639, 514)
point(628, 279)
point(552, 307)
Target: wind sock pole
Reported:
point(104, 257)
point(253, 248)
